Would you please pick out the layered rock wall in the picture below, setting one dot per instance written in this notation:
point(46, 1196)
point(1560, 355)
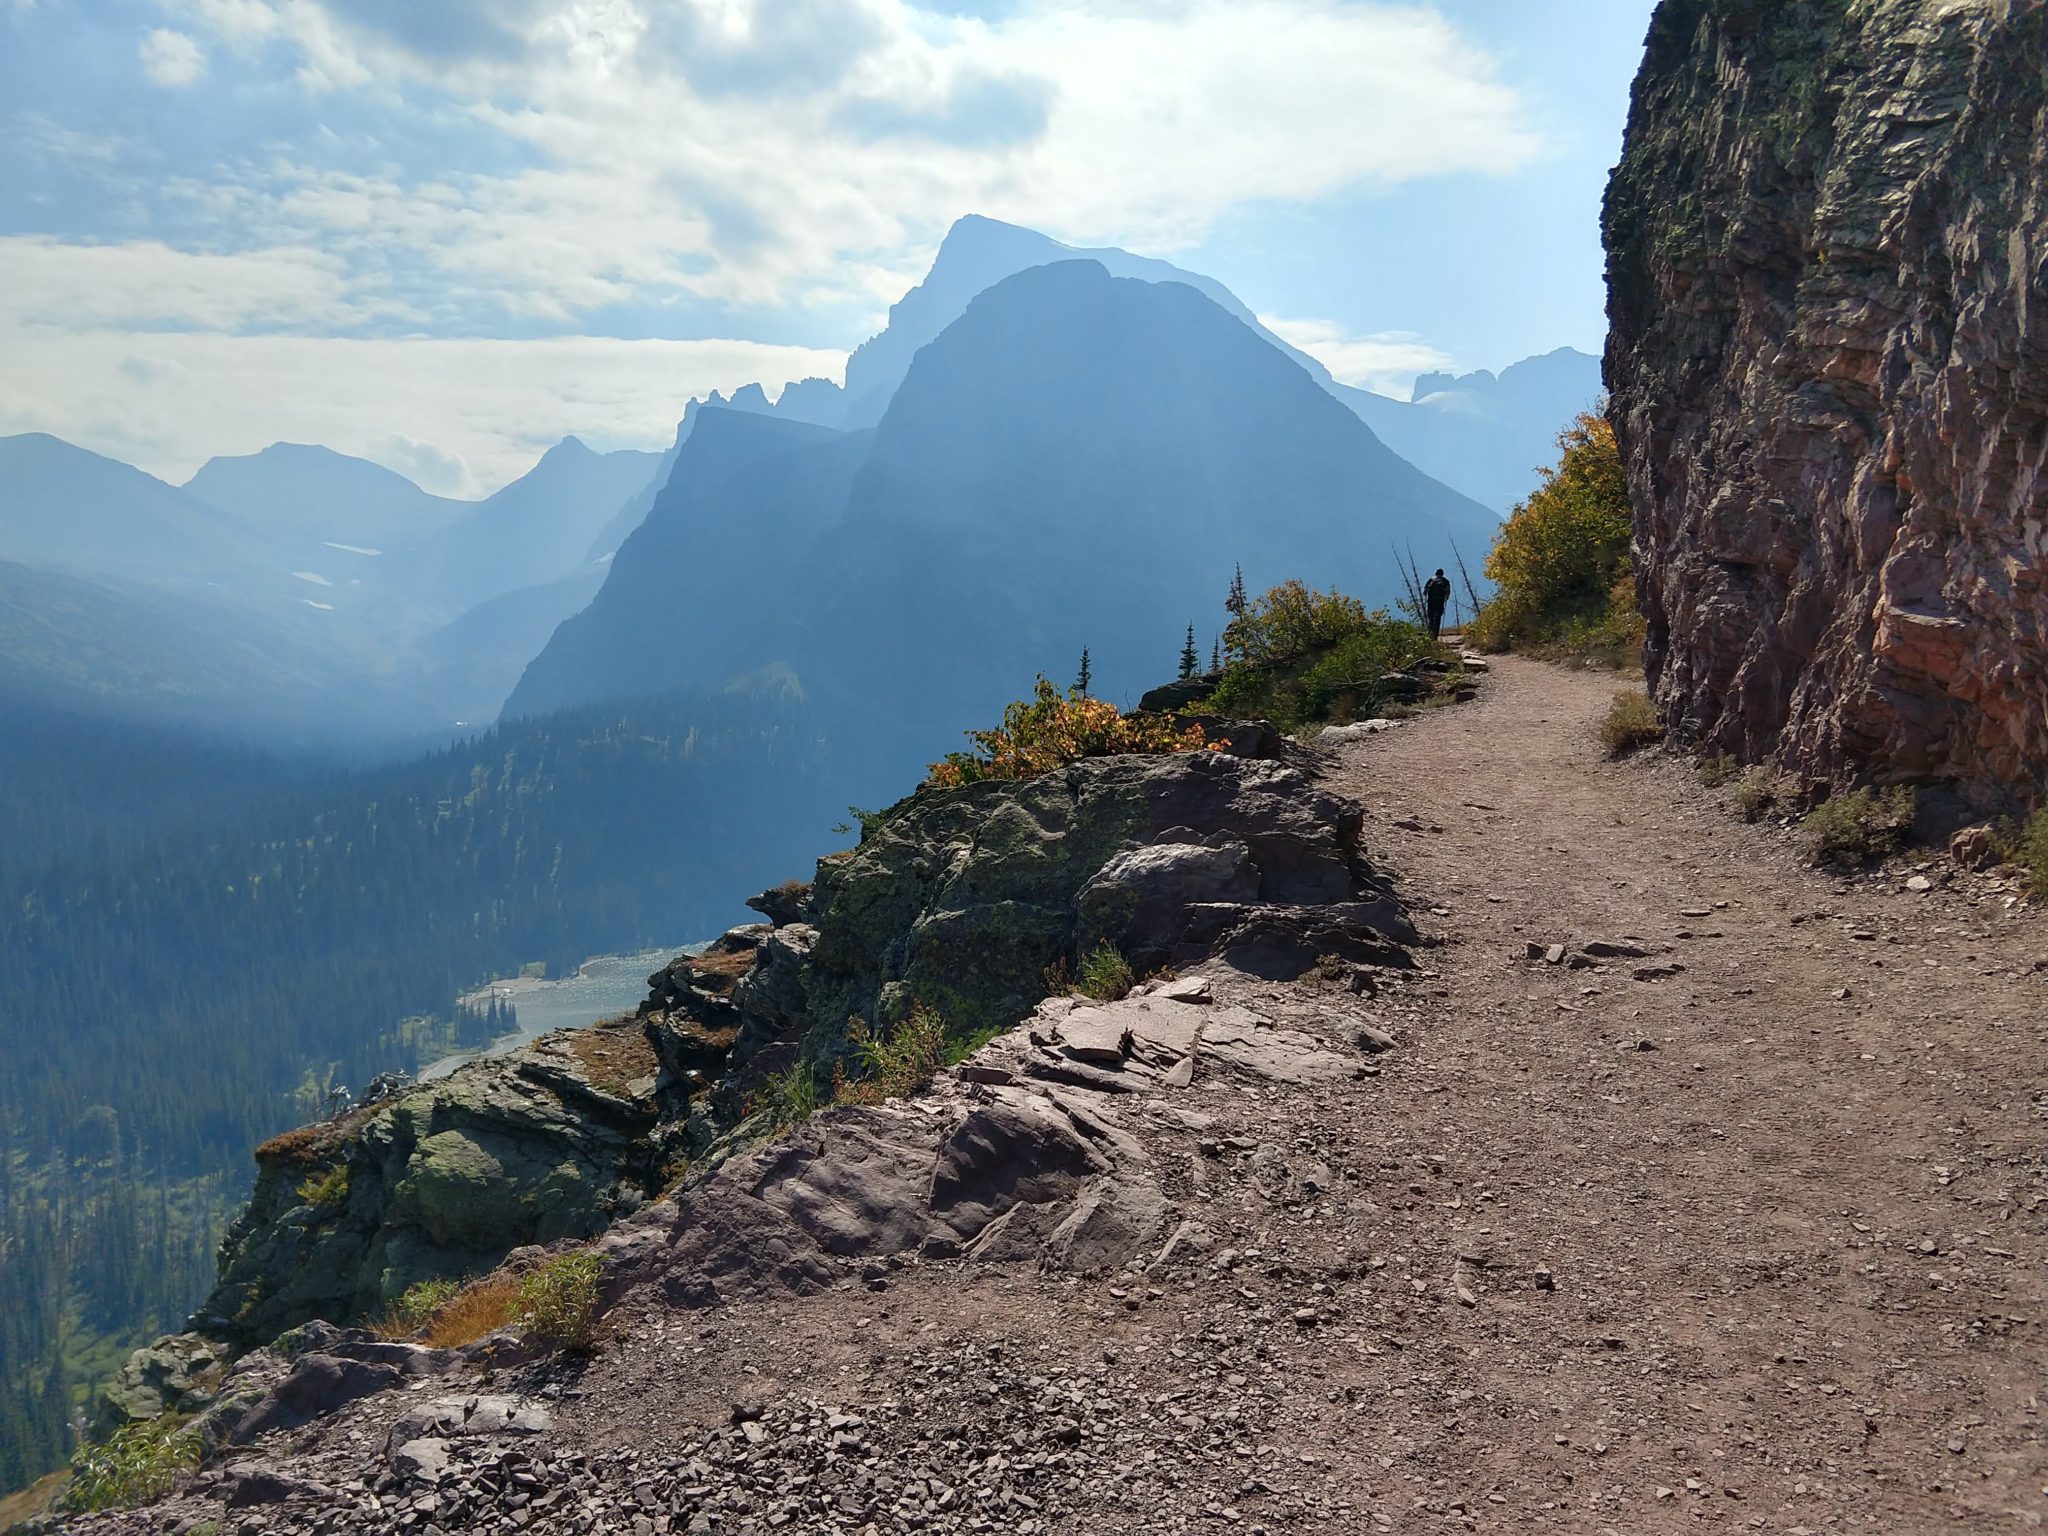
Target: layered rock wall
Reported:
point(1828, 361)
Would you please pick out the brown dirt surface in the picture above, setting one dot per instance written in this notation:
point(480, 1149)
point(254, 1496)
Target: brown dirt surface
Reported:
point(1753, 1243)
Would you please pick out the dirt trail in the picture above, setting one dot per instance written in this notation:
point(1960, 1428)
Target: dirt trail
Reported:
point(1586, 1253)
point(1809, 1217)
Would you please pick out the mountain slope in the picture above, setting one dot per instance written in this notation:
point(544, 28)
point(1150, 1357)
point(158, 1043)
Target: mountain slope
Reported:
point(534, 530)
point(65, 508)
point(1484, 434)
point(1078, 460)
point(305, 494)
point(141, 653)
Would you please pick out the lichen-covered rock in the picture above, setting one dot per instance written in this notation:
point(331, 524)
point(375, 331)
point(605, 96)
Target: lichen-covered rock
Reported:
point(550, 1141)
point(961, 899)
point(1828, 359)
point(176, 1374)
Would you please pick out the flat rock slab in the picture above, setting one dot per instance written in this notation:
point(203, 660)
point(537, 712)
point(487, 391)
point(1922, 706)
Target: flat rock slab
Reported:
point(1242, 1039)
point(1101, 1037)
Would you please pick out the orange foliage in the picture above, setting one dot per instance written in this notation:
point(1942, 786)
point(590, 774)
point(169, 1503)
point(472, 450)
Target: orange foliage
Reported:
point(1052, 729)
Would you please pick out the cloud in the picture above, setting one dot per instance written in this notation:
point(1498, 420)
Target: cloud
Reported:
point(445, 474)
point(1386, 362)
point(47, 284)
point(171, 58)
point(168, 401)
point(748, 152)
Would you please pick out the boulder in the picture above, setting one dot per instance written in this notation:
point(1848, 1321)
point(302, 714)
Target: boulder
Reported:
point(1139, 901)
point(175, 1374)
point(1169, 698)
point(550, 1141)
point(789, 902)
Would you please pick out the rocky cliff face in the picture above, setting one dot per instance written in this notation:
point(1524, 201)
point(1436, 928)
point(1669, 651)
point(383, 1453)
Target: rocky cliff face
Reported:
point(1828, 288)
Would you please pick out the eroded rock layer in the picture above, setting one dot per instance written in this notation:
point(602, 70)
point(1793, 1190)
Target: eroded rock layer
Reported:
point(1828, 290)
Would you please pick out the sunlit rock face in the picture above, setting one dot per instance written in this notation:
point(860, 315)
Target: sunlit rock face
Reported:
point(1828, 287)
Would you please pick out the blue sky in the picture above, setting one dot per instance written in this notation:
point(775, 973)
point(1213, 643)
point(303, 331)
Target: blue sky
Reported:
point(443, 234)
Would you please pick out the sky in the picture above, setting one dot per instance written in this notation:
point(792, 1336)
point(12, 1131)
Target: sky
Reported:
point(442, 234)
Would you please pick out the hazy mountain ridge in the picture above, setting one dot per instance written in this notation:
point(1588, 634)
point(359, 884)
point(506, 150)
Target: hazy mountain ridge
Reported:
point(1077, 460)
point(296, 595)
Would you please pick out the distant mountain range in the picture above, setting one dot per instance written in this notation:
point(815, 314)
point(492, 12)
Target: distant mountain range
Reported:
point(301, 595)
point(1078, 460)
point(1478, 434)
point(295, 595)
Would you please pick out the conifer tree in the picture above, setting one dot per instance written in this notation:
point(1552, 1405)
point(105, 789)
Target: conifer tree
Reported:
point(1236, 601)
point(1081, 683)
point(1190, 658)
point(1216, 654)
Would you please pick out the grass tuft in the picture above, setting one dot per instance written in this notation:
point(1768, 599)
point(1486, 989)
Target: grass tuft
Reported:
point(1719, 769)
point(1631, 723)
point(558, 1301)
point(1105, 974)
point(2024, 844)
point(481, 1307)
point(897, 1063)
point(416, 1308)
point(327, 1189)
point(137, 1463)
point(1754, 794)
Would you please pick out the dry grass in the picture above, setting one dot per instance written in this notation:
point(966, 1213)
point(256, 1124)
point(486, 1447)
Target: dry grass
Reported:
point(1631, 723)
point(483, 1307)
point(723, 965)
point(310, 1144)
point(613, 1056)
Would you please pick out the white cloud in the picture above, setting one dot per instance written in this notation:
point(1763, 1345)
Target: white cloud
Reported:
point(445, 474)
point(48, 284)
point(168, 401)
point(702, 149)
point(171, 58)
point(1386, 362)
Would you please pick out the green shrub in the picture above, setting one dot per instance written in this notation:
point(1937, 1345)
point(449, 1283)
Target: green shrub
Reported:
point(1754, 794)
point(1105, 974)
point(416, 1308)
point(135, 1464)
point(326, 1189)
point(1300, 657)
point(558, 1301)
point(1631, 722)
point(1052, 729)
point(1855, 828)
point(2025, 844)
point(1560, 564)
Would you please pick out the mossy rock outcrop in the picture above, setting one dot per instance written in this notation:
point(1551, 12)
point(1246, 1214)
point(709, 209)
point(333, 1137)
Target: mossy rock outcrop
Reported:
point(552, 1141)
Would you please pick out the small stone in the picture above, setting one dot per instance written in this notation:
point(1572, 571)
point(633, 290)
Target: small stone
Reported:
point(1554, 955)
point(1919, 883)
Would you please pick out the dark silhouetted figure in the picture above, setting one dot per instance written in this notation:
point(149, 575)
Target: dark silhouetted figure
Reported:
point(1435, 593)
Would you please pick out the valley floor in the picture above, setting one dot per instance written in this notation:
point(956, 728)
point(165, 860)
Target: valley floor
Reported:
point(1752, 1244)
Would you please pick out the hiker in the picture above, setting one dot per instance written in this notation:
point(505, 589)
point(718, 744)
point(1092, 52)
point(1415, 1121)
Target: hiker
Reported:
point(1435, 593)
